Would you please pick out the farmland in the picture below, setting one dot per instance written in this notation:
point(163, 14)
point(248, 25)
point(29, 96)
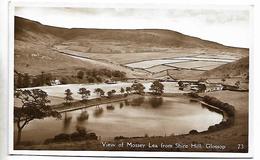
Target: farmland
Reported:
point(156, 64)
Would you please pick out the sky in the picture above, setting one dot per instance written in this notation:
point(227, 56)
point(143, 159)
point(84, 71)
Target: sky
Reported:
point(227, 25)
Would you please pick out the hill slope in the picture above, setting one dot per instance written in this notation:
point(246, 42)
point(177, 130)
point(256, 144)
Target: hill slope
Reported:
point(147, 37)
point(34, 51)
point(35, 46)
point(239, 68)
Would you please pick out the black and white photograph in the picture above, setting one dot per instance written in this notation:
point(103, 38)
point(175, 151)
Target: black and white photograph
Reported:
point(172, 79)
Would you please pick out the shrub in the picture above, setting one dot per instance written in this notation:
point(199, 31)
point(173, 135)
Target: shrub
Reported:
point(229, 109)
point(80, 75)
point(92, 136)
point(62, 137)
point(76, 136)
point(193, 132)
point(63, 81)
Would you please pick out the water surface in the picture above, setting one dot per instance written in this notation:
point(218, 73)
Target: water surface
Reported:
point(134, 117)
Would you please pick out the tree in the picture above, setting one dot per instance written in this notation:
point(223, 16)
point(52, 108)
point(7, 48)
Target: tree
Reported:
point(237, 84)
point(34, 105)
point(63, 80)
point(84, 93)
point(68, 96)
point(180, 83)
point(113, 91)
point(80, 75)
point(122, 90)
point(138, 88)
point(157, 88)
point(247, 77)
point(36, 82)
point(19, 81)
point(99, 79)
point(48, 78)
point(109, 94)
point(223, 80)
point(90, 79)
point(128, 90)
point(42, 78)
point(26, 80)
point(99, 92)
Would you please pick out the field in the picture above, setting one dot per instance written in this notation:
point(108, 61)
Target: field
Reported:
point(196, 64)
point(155, 64)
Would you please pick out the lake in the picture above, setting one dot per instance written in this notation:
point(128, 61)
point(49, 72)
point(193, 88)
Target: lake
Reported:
point(134, 117)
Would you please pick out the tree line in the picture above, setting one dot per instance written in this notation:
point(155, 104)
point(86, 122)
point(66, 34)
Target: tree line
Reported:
point(156, 88)
point(24, 80)
point(100, 75)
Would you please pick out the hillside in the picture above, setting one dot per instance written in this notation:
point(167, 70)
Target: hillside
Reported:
point(25, 28)
point(41, 48)
point(239, 68)
point(34, 51)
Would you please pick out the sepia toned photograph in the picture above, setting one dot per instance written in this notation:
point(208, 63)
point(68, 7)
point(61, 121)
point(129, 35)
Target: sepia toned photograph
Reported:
point(131, 79)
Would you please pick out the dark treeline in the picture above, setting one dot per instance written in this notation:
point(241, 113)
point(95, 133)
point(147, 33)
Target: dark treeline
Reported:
point(100, 75)
point(24, 80)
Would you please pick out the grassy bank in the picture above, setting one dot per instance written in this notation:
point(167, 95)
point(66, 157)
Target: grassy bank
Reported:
point(89, 103)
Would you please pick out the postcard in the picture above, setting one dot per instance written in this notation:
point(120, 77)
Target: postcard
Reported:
point(155, 81)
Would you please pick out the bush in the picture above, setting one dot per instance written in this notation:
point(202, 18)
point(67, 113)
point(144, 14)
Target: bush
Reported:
point(120, 137)
point(80, 135)
point(229, 109)
point(76, 136)
point(80, 75)
point(91, 136)
point(193, 132)
point(90, 79)
point(63, 81)
point(62, 137)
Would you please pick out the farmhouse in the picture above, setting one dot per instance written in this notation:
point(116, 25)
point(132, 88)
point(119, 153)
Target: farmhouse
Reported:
point(210, 87)
point(198, 86)
point(55, 82)
point(166, 79)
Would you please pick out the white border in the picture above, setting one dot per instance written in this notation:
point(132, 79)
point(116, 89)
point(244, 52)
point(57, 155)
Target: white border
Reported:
point(121, 4)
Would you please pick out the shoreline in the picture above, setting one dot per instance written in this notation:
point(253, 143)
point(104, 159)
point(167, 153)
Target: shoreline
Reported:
point(79, 104)
point(216, 136)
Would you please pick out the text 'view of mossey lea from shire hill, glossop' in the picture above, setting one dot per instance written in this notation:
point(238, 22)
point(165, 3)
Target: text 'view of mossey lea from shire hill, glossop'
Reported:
point(109, 79)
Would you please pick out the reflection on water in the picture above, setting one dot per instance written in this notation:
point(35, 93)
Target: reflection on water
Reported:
point(138, 116)
point(137, 101)
point(98, 112)
point(156, 102)
point(127, 103)
point(110, 107)
point(121, 105)
point(83, 116)
point(66, 121)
